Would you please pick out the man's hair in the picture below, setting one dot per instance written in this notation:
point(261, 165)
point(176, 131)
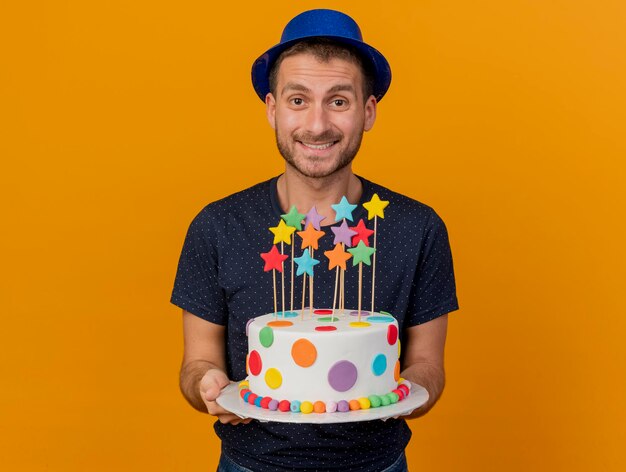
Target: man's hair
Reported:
point(324, 50)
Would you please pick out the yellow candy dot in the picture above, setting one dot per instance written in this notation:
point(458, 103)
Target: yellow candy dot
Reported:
point(360, 324)
point(365, 403)
point(244, 384)
point(398, 349)
point(273, 378)
point(306, 407)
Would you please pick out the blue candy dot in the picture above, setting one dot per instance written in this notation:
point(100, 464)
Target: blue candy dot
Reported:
point(379, 364)
point(380, 319)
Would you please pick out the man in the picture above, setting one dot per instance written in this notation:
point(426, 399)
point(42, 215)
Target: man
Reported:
point(321, 86)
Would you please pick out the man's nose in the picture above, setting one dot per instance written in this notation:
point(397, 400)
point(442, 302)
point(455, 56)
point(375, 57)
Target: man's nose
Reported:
point(317, 120)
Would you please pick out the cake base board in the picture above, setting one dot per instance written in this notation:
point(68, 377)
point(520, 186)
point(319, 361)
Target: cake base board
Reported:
point(230, 400)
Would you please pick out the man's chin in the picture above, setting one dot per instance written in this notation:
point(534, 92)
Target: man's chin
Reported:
point(316, 172)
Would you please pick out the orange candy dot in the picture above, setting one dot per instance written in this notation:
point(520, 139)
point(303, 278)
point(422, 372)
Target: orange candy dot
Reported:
point(280, 324)
point(319, 407)
point(396, 371)
point(355, 405)
point(304, 353)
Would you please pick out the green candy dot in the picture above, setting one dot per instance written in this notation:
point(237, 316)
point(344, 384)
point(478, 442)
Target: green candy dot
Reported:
point(266, 336)
point(393, 397)
point(328, 319)
point(384, 400)
point(374, 401)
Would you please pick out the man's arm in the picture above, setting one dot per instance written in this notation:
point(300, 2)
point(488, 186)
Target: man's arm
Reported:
point(203, 371)
point(423, 359)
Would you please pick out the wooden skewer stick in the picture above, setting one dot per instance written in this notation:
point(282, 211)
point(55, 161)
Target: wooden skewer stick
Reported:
point(360, 287)
point(311, 288)
point(335, 292)
point(292, 254)
point(275, 307)
point(282, 273)
point(303, 292)
point(374, 264)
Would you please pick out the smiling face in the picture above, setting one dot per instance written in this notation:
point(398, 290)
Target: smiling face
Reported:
point(319, 113)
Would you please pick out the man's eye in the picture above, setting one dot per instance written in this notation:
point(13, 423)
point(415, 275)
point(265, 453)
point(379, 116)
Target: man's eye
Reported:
point(339, 102)
point(297, 101)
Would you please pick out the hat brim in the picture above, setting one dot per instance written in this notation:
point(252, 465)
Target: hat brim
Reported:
point(380, 66)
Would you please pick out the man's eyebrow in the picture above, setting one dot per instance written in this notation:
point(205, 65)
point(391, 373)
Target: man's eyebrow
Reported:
point(342, 88)
point(292, 86)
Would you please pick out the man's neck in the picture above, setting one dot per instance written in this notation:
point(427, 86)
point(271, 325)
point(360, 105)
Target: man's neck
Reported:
point(304, 192)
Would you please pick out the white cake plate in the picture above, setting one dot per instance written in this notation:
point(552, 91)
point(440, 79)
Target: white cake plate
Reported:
point(230, 400)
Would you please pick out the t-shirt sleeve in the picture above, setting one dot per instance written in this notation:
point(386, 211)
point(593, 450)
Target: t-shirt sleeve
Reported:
point(433, 291)
point(196, 287)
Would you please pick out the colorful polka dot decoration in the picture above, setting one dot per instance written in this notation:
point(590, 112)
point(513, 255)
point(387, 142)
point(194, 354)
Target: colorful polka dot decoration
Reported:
point(379, 364)
point(392, 334)
point(295, 406)
point(363, 313)
point(266, 336)
point(360, 324)
point(280, 324)
point(323, 312)
point(273, 378)
point(380, 319)
point(303, 352)
point(254, 363)
point(342, 376)
point(248, 326)
point(325, 328)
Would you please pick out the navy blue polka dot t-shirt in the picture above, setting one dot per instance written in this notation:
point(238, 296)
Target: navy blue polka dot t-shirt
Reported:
point(220, 278)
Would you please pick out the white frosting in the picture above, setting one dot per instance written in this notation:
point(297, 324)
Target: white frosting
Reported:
point(358, 345)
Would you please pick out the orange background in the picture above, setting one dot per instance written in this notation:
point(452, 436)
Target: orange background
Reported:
point(121, 120)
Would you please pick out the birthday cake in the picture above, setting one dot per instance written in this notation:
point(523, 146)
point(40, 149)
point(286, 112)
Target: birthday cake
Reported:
point(330, 360)
point(323, 361)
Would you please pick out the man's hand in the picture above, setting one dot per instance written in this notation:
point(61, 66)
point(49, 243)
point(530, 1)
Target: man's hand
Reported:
point(423, 360)
point(203, 372)
point(211, 385)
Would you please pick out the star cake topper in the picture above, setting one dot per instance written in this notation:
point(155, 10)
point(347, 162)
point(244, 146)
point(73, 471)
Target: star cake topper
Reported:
point(310, 237)
point(361, 253)
point(337, 257)
point(314, 218)
point(343, 234)
point(375, 207)
point(343, 209)
point(293, 218)
point(282, 233)
point(273, 259)
point(305, 263)
point(362, 233)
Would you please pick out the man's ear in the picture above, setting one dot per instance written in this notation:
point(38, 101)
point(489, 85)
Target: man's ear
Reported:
point(370, 113)
point(270, 109)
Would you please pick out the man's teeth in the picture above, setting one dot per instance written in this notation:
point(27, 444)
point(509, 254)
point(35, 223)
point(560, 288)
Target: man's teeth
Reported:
point(318, 146)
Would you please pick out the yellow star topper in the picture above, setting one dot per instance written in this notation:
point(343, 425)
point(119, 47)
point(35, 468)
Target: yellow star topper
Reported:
point(375, 207)
point(282, 233)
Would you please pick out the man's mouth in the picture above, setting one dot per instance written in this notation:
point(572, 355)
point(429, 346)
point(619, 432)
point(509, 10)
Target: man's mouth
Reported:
point(318, 147)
